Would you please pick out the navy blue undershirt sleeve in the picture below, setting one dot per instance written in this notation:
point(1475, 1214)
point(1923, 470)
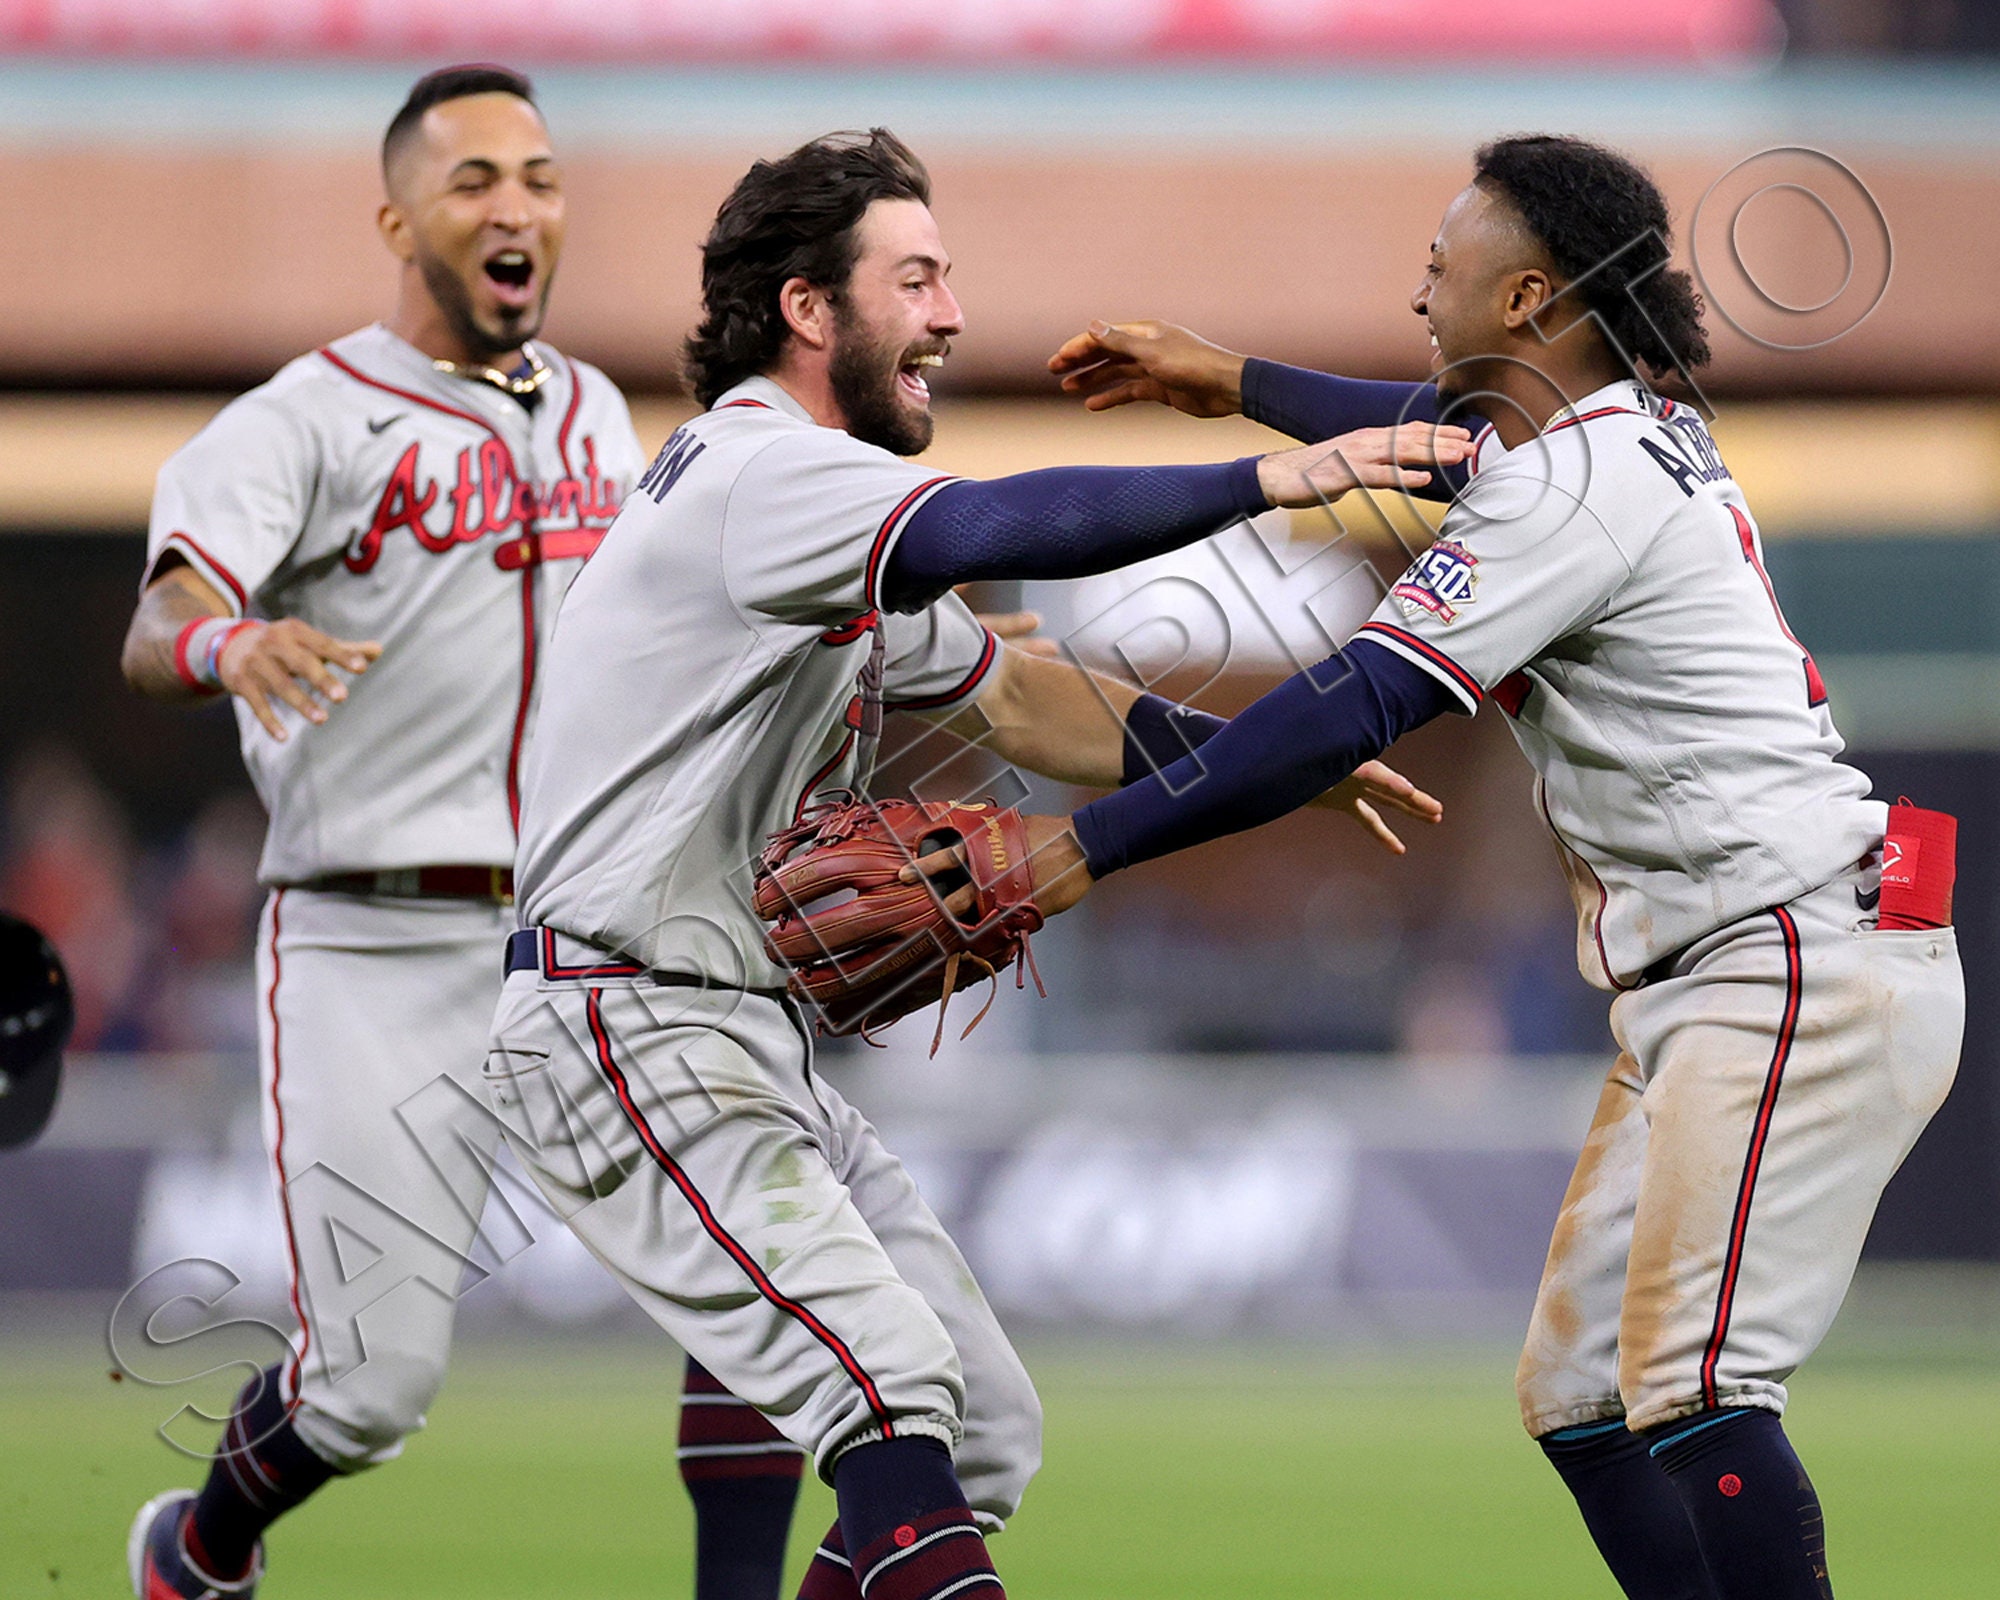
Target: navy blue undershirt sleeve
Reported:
point(1293, 745)
point(1312, 406)
point(1158, 733)
point(1062, 522)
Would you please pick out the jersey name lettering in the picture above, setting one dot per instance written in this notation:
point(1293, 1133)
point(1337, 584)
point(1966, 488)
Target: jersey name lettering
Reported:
point(486, 498)
point(675, 457)
point(1688, 456)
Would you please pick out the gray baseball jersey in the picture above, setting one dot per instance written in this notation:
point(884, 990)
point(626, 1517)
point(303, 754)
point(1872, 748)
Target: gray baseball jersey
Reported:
point(365, 492)
point(375, 497)
point(724, 658)
point(1605, 584)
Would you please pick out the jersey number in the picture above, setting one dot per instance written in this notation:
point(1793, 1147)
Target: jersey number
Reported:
point(1747, 537)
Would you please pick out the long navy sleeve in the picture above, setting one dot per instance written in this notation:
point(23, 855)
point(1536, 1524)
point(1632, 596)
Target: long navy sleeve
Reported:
point(1293, 745)
point(1063, 522)
point(1319, 405)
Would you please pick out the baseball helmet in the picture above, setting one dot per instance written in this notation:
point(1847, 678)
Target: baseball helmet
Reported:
point(36, 1015)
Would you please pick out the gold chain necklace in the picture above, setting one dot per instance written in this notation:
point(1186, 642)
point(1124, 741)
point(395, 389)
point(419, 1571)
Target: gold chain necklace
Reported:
point(523, 383)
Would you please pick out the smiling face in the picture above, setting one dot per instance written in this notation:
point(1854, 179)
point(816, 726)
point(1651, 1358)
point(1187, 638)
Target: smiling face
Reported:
point(476, 211)
point(1467, 290)
point(893, 323)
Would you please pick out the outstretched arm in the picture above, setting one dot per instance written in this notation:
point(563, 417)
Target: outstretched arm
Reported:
point(1077, 726)
point(1071, 522)
point(1294, 744)
point(1052, 717)
point(1315, 735)
point(1115, 364)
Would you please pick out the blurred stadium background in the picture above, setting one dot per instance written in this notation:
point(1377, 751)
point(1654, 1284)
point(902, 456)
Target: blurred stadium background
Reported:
point(1266, 1181)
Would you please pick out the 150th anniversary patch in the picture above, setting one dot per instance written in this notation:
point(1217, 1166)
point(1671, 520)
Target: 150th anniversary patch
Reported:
point(1440, 581)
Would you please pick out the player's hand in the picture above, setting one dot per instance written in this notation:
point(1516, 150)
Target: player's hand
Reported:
point(1374, 786)
point(1115, 363)
point(1370, 458)
point(1057, 868)
point(287, 661)
point(1017, 628)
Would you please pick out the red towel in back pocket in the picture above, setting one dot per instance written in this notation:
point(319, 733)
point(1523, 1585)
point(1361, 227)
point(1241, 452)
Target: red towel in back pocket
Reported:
point(1919, 862)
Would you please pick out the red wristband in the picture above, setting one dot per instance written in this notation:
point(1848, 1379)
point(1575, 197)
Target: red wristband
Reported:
point(182, 669)
point(211, 665)
point(198, 650)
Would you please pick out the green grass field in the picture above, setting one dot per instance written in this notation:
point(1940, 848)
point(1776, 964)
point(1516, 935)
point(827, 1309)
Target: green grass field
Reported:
point(547, 1471)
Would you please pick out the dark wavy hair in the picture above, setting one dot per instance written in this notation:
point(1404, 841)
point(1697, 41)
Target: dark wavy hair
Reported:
point(1603, 221)
point(790, 218)
point(449, 83)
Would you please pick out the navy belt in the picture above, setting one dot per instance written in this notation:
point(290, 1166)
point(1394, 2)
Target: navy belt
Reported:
point(534, 950)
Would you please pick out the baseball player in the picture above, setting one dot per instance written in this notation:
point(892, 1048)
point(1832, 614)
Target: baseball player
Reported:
point(366, 554)
point(777, 581)
point(1788, 995)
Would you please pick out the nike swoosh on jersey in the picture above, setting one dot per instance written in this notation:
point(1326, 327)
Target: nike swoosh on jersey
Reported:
point(377, 427)
point(1868, 899)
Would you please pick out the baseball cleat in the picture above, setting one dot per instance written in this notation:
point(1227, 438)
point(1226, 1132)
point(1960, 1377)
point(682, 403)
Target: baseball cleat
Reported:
point(157, 1558)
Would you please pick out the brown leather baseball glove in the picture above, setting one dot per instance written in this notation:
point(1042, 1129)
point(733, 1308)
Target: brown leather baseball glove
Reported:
point(865, 949)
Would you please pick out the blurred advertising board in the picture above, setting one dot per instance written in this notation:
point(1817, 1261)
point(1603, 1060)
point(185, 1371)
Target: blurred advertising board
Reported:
point(880, 31)
point(1307, 1196)
point(1310, 1196)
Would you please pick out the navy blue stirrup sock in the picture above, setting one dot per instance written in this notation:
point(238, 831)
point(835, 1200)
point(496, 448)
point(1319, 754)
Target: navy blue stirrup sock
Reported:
point(1753, 1508)
point(262, 1469)
point(905, 1524)
point(742, 1476)
point(1631, 1509)
point(831, 1575)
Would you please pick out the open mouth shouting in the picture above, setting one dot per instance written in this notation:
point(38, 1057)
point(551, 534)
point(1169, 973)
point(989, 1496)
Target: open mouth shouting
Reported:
point(510, 276)
point(910, 375)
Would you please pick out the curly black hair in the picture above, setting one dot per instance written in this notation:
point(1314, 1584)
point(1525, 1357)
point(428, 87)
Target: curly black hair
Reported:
point(1603, 221)
point(790, 218)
